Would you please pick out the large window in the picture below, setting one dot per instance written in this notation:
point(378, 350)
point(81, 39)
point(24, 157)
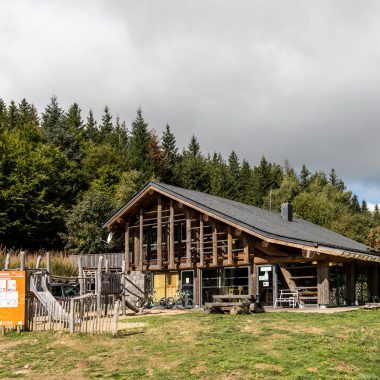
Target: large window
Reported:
point(228, 281)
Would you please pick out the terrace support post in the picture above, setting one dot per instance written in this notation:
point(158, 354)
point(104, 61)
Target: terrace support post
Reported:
point(323, 283)
point(246, 250)
point(48, 262)
point(159, 233)
point(201, 243)
point(350, 270)
point(126, 247)
point(229, 246)
point(171, 236)
point(252, 270)
point(136, 247)
point(141, 240)
point(373, 282)
point(188, 236)
point(197, 276)
point(22, 260)
point(214, 244)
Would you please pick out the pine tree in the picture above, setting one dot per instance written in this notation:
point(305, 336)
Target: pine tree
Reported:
point(156, 154)
point(139, 158)
point(364, 206)
point(194, 173)
point(376, 215)
point(170, 151)
point(333, 178)
point(245, 182)
point(74, 120)
point(304, 178)
point(234, 174)
point(91, 129)
point(3, 114)
point(355, 206)
point(12, 116)
point(106, 127)
point(27, 113)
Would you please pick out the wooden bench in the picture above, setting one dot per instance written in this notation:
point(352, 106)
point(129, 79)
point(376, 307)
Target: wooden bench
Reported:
point(234, 304)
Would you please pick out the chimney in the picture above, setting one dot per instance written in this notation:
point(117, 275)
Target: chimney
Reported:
point(287, 211)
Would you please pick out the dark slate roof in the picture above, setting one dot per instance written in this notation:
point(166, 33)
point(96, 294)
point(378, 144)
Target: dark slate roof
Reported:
point(265, 222)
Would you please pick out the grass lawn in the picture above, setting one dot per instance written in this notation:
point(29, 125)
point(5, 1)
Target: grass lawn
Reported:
point(197, 345)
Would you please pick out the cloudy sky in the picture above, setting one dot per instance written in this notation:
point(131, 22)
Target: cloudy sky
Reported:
point(296, 80)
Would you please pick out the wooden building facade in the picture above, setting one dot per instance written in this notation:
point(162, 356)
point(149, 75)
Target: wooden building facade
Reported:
point(210, 245)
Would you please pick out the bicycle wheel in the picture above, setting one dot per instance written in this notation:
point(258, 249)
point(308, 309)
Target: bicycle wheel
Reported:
point(170, 303)
point(189, 303)
point(162, 303)
point(180, 304)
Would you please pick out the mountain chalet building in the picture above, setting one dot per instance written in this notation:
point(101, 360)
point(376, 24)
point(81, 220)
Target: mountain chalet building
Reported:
point(211, 245)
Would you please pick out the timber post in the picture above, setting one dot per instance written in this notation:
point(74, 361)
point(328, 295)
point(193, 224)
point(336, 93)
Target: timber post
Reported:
point(229, 246)
point(141, 240)
point(214, 244)
point(123, 308)
point(323, 283)
point(115, 317)
point(159, 233)
point(72, 316)
point(136, 246)
point(171, 236)
point(80, 274)
point(188, 236)
point(22, 260)
point(126, 247)
point(99, 284)
point(48, 262)
point(38, 262)
point(201, 243)
point(7, 261)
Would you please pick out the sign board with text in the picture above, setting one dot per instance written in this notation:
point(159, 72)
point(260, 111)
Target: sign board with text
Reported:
point(12, 298)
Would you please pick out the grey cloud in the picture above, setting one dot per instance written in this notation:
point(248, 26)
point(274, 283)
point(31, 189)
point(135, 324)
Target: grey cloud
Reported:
point(291, 80)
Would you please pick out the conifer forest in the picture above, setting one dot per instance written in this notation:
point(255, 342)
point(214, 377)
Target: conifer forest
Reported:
point(62, 173)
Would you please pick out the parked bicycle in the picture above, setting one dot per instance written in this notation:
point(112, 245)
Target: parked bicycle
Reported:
point(152, 301)
point(183, 299)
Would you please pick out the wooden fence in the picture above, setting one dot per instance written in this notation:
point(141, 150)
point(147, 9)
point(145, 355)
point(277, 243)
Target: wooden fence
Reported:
point(81, 315)
point(90, 261)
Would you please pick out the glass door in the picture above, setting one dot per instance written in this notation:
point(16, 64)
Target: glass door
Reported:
point(187, 282)
point(267, 284)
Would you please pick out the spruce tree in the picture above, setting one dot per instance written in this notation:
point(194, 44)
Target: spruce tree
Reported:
point(3, 114)
point(106, 126)
point(234, 174)
point(355, 206)
point(376, 215)
point(364, 206)
point(91, 129)
point(170, 152)
point(304, 178)
point(12, 116)
point(139, 157)
point(245, 182)
point(156, 155)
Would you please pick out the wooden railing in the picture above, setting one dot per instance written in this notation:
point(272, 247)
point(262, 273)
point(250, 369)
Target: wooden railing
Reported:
point(80, 314)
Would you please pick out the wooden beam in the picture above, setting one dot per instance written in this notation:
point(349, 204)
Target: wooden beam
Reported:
point(188, 236)
point(246, 250)
point(126, 247)
point(171, 236)
point(214, 244)
point(159, 233)
point(141, 239)
point(237, 232)
point(229, 246)
point(287, 276)
point(323, 283)
point(201, 243)
point(264, 244)
point(136, 248)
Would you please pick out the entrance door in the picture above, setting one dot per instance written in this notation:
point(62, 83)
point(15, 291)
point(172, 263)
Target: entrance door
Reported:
point(165, 284)
point(187, 282)
point(266, 277)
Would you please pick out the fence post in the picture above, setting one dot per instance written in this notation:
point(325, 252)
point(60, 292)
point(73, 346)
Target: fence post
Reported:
point(99, 287)
point(116, 317)
point(22, 260)
point(7, 261)
point(80, 273)
point(71, 316)
point(48, 262)
point(123, 288)
point(38, 263)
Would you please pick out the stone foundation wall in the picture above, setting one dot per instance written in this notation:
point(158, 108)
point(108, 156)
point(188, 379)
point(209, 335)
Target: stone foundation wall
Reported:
point(140, 284)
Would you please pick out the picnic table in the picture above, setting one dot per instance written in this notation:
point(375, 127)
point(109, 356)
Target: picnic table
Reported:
point(234, 304)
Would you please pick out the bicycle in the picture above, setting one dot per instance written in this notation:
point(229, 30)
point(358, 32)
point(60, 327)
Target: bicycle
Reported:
point(182, 300)
point(151, 301)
